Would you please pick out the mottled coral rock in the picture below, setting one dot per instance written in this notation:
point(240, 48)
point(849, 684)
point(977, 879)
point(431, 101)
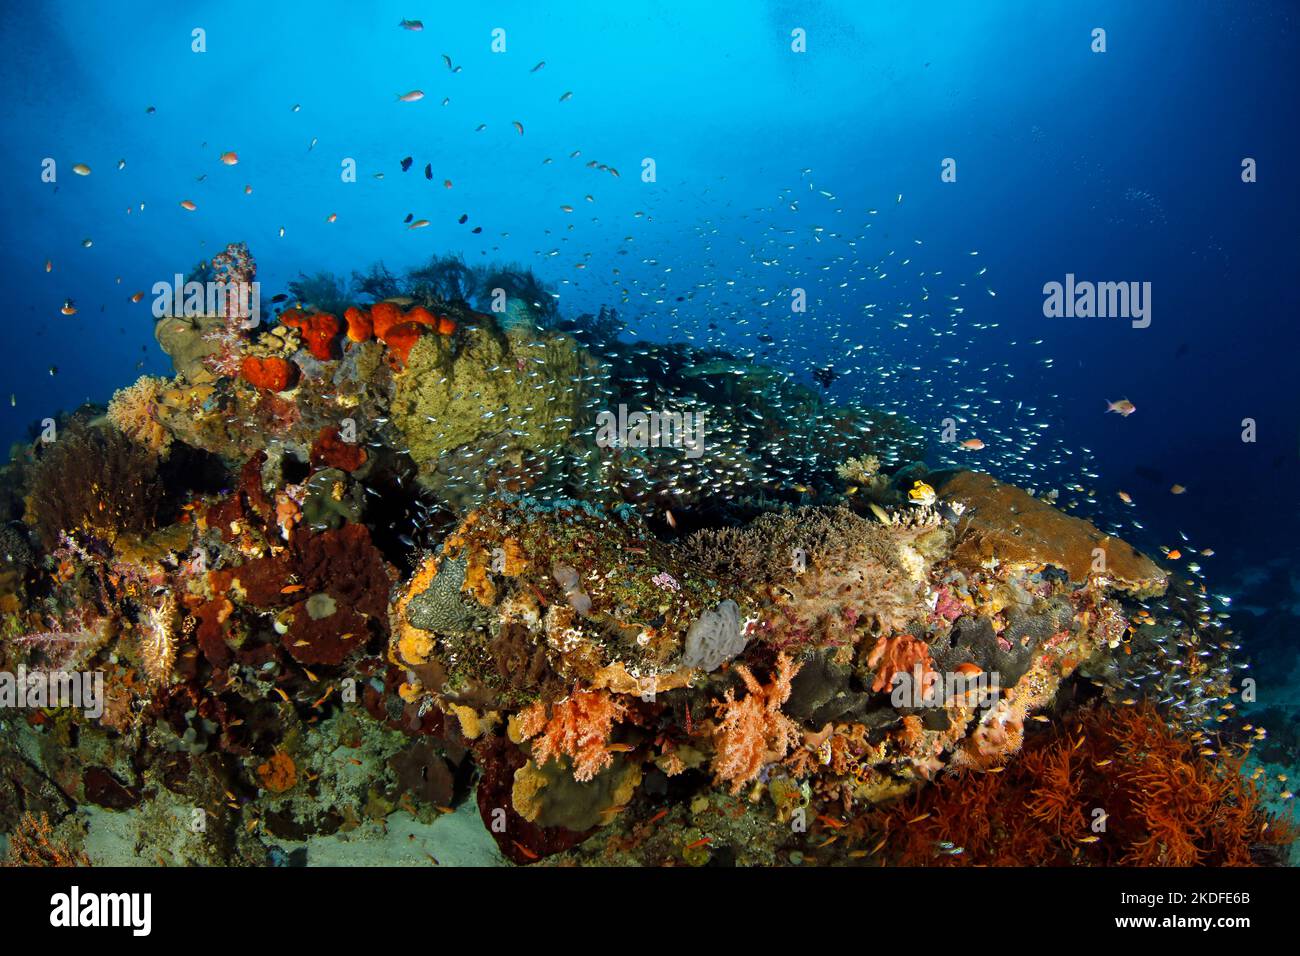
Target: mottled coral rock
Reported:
point(1008, 524)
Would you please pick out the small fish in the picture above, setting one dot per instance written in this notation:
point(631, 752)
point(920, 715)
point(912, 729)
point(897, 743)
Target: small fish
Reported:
point(415, 26)
point(418, 224)
point(922, 494)
point(480, 127)
point(150, 109)
point(121, 164)
point(406, 163)
point(332, 217)
point(446, 183)
point(428, 171)
point(248, 190)
point(519, 127)
point(566, 208)
point(69, 307)
point(1174, 555)
point(973, 444)
point(538, 67)
point(565, 97)
point(1177, 490)
point(446, 59)
point(1125, 497)
point(1123, 407)
point(137, 297)
point(296, 107)
point(188, 205)
point(49, 265)
point(409, 217)
point(312, 144)
point(282, 232)
point(412, 96)
point(463, 219)
point(54, 370)
point(81, 169)
point(87, 243)
point(825, 376)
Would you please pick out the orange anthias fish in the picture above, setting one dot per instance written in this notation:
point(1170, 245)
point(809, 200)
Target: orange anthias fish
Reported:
point(412, 97)
point(972, 444)
point(1124, 407)
point(230, 158)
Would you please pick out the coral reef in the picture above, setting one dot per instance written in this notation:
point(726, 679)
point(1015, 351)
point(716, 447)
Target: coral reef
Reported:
point(374, 554)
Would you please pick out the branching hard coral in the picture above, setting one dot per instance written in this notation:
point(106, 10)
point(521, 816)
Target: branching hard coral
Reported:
point(769, 546)
point(752, 731)
point(1116, 786)
point(134, 412)
point(578, 728)
point(94, 482)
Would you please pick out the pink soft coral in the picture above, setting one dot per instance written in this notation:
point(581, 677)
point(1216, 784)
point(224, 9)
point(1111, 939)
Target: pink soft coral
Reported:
point(753, 732)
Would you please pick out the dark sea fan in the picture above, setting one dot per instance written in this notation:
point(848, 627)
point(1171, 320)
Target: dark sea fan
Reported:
point(95, 482)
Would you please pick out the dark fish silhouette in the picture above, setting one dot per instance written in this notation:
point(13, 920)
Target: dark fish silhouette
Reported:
point(825, 376)
point(428, 170)
point(406, 163)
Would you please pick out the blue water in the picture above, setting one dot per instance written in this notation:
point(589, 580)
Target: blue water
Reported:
point(1117, 166)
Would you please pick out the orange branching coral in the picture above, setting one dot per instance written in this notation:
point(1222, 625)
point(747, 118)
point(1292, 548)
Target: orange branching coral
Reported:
point(32, 844)
point(1115, 787)
point(578, 728)
point(893, 655)
point(753, 732)
point(134, 412)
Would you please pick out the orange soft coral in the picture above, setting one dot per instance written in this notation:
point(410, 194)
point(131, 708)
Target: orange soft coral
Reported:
point(578, 728)
point(753, 732)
